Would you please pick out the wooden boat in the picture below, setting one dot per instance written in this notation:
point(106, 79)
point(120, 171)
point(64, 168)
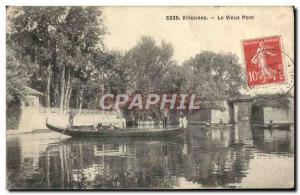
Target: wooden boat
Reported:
point(124, 140)
point(218, 126)
point(278, 126)
point(213, 125)
point(105, 132)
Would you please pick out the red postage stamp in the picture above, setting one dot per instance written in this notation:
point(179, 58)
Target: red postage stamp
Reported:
point(264, 62)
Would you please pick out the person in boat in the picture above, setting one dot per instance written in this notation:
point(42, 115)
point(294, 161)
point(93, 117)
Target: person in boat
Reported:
point(165, 117)
point(136, 119)
point(270, 126)
point(221, 122)
point(182, 120)
point(99, 127)
point(111, 127)
point(207, 123)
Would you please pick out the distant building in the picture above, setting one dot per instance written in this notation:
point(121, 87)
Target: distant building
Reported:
point(32, 99)
point(30, 117)
point(212, 111)
point(252, 109)
point(280, 109)
point(28, 107)
point(229, 110)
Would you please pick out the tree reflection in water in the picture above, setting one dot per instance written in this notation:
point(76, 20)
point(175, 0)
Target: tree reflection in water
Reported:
point(209, 158)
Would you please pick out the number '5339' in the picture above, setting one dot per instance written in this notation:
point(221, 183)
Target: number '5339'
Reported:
point(172, 18)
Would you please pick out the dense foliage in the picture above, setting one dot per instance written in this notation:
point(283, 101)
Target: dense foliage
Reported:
point(60, 52)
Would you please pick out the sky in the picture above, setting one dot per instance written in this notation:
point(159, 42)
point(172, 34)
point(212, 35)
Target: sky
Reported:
point(127, 24)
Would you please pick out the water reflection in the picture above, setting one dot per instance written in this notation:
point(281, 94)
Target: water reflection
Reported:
point(201, 158)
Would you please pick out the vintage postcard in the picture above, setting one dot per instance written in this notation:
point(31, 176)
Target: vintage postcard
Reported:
point(150, 98)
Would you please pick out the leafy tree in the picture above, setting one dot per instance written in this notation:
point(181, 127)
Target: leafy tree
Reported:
point(18, 72)
point(17, 75)
point(215, 76)
point(109, 76)
point(177, 79)
point(148, 62)
point(59, 40)
point(117, 76)
point(35, 32)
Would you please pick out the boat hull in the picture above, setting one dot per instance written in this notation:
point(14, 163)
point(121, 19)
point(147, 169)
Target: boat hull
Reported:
point(120, 133)
point(283, 126)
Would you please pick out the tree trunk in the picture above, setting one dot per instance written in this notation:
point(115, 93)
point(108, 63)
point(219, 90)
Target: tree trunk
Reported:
point(67, 90)
point(62, 90)
point(69, 97)
point(48, 103)
point(56, 93)
point(77, 100)
point(80, 97)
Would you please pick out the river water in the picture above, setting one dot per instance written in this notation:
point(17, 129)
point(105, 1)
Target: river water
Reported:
point(237, 157)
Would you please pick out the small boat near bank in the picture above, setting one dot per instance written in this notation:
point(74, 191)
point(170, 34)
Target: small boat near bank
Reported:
point(212, 125)
point(106, 132)
point(218, 125)
point(277, 126)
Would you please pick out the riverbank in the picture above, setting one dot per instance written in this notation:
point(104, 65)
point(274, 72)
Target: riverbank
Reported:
point(34, 119)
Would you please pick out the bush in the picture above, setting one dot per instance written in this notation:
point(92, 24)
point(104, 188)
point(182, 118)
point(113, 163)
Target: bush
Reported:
point(13, 114)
